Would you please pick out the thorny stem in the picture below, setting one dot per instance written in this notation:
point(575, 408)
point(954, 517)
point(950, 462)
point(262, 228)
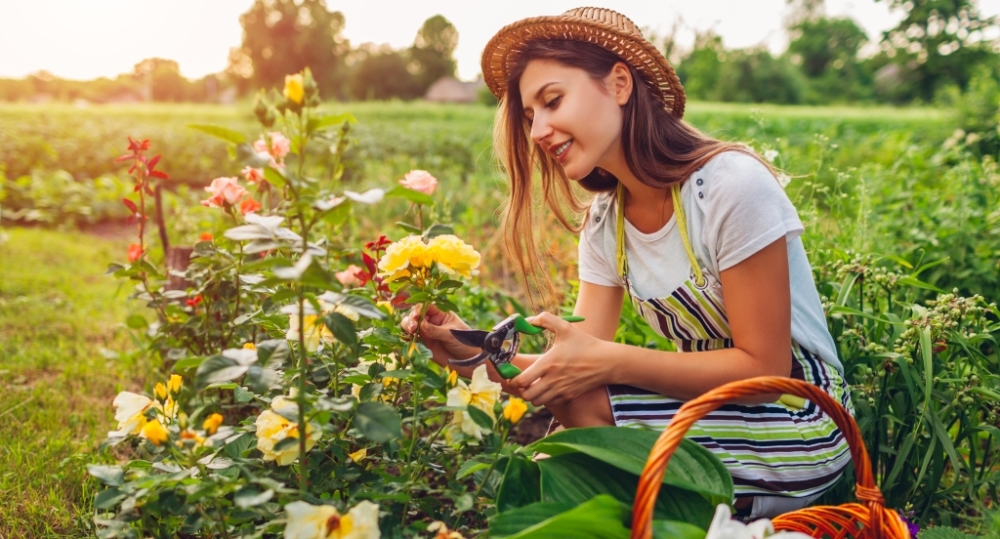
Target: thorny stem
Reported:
point(303, 479)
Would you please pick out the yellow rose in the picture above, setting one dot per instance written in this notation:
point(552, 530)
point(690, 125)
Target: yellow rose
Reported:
point(160, 391)
point(211, 423)
point(454, 255)
point(307, 521)
point(358, 455)
point(401, 256)
point(272, 428)
point(481, 393)
point(514, 410)
point(315, 330)
point(293, 88)
point(154, 432)
point(175, 383)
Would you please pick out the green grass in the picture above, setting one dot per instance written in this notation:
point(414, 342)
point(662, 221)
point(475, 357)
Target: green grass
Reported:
point(58, 311)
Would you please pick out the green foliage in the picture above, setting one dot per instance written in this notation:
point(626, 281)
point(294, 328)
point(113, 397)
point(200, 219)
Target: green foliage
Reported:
point(433, 51)
point(287, 36)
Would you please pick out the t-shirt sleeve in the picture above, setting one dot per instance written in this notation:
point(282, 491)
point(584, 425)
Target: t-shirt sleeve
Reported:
point(593, 262)
point(745, 209)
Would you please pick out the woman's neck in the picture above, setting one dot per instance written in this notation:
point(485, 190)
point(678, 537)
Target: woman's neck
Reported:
point(647, 208)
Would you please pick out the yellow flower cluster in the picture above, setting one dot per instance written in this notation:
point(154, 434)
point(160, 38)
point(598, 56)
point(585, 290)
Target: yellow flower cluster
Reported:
point(273, 428)
point(131, 411)
point(411, 255)
point(481, 393)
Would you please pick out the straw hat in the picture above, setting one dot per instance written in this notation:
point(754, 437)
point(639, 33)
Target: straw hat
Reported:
point(603, 27)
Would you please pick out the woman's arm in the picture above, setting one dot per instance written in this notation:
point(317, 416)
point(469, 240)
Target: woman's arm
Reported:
point(758, 304)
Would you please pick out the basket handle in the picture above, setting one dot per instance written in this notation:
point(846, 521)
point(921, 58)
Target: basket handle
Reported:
point(695, 409)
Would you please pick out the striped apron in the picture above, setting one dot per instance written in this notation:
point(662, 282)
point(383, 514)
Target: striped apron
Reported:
point(787, 448)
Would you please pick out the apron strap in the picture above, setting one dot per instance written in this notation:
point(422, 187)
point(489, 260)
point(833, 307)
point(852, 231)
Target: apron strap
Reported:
point(675, 191)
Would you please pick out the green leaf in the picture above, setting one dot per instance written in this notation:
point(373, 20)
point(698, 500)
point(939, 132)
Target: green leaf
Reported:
point(286, 443)
point(480, 417)
point(575, 478)
point(239, 445)
point(449, 284)
point(521, 484)
point(438, 230)
point(218, 369)
point(342, 328)
point(672, 529)
point(223, 133)
point(598, 518)
point(136, 321)
point(109, 498)
point(241, 395)
point(363, 306)
point(917, 283)
point(413, 196)
point(330, 120)
point(470, 467)
point(113, 476)
point(378, 422)
point(251, 497)
point(405, 226)
point(272, 350)
point(943, 532)
point(692, 467)
point(275, 177)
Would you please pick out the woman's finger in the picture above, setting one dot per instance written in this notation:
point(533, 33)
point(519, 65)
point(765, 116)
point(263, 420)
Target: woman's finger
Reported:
point(550, 322)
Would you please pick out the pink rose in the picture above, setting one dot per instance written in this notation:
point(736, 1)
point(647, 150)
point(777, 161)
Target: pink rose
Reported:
point(278, 148)
point(224, 191)
point(253, 175)
point(349, 277)
point(420, 181)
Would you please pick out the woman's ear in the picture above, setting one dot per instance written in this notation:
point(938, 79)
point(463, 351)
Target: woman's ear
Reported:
point(620, 82)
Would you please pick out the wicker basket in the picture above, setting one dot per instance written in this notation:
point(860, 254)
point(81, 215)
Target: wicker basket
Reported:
point(867, 520)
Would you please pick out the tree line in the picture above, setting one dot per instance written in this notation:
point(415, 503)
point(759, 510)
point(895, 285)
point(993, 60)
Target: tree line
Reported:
point(938, 49)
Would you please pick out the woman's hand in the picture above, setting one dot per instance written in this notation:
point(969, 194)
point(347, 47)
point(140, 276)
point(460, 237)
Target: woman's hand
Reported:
point(575, 364)
point(435, 333)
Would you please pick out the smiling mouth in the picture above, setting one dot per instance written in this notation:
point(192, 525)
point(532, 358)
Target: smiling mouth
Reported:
point(561, 149)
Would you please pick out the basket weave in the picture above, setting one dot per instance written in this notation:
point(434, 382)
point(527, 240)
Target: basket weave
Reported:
point(867, 520)
point(603, 27)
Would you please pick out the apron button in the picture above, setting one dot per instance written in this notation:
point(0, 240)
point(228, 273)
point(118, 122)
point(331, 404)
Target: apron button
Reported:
point(597, 219)
point(701, 195)
point(700, 181)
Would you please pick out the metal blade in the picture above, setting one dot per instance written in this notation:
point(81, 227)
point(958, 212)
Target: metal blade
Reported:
point(471, 362)
point(471, 337)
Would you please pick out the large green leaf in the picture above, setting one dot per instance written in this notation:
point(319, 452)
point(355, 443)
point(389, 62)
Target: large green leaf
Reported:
point(599, 518)
point(413, 196)
point(378, 422)
point(692, 467)
point(223, 133)
point(520, 485)
point(576, 477)
point(219, 369)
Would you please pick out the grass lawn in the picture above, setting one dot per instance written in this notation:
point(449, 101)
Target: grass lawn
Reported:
point(58, 312)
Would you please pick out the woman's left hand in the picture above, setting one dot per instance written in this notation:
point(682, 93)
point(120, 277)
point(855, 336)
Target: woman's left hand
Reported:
point(574, 365)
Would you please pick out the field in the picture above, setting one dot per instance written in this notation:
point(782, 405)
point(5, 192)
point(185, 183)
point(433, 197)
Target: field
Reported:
point(883, 192)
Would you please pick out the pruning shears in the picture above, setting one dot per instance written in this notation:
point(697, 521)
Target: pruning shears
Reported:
point(491, 342)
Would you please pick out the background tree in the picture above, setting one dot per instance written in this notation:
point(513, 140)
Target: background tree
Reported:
point(161, 80)
point(433, 51)
point(286, 36)
point(826, 50)
point(938, 43)
point(379, 72)
point(699, 70)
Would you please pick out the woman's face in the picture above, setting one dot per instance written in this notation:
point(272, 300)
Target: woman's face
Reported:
point(574, 119)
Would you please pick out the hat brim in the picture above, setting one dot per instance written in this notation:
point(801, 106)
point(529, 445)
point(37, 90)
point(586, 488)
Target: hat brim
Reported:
point(502, 51)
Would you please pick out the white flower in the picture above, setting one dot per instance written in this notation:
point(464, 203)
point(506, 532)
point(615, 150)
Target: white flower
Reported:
point(307, 521)
point(724, 527)
point(130, 411)
point(770, 155)
point(370, 196)
point(482, 394)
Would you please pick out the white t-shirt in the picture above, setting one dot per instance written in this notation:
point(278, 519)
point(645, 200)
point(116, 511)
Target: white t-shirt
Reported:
point(734, 208)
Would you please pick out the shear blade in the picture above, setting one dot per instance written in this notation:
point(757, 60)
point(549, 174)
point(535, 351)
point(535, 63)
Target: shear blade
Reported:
point(472, 361)
point(471, 337)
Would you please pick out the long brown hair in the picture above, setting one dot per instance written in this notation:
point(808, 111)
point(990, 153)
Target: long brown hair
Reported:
point(660, 149)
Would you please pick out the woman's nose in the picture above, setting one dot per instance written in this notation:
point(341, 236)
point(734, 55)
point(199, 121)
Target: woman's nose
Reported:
point(540, 130)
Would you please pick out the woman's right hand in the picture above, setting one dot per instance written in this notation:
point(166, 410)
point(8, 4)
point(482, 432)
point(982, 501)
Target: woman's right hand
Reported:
point(435, 333)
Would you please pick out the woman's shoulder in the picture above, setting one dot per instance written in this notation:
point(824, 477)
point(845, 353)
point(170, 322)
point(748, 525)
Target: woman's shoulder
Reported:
point(601, 212)
point(735, 163)
point(733, 174)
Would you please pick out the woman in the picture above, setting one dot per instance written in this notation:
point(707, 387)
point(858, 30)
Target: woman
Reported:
point(697, 233)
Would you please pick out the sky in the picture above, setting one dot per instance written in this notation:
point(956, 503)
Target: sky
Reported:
point(86, 39)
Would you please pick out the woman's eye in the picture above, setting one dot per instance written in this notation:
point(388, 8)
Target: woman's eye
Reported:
point(553, 102)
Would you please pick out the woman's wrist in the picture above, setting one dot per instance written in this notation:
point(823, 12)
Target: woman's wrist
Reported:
point(609, 356)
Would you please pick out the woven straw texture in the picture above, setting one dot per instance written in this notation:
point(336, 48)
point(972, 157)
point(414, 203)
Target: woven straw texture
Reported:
point(603, 27)
point(867, 520)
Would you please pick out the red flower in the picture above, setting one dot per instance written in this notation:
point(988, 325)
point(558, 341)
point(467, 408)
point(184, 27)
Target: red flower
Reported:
point(193, 302)
point(206, 236)
point(135, 251)
point(249, 206)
